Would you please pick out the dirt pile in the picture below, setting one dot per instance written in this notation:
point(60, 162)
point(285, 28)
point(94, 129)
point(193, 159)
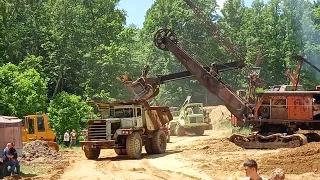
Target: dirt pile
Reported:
point(210, 146)
point(220, 116)
point(39, 150)
point(295, 161)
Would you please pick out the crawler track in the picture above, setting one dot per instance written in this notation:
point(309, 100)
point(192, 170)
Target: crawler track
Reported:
point(274, 141)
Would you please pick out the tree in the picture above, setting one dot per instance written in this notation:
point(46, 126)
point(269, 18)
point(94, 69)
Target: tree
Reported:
point(22, 93)
point(67, 112)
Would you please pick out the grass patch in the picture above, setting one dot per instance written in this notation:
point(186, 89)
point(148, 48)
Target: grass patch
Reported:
point(227, 125)
point(32, 171)
point(245, 130)
point(74, 148)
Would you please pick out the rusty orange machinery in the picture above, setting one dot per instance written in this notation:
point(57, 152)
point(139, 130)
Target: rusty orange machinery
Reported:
point(286, 105)
point(278, 116)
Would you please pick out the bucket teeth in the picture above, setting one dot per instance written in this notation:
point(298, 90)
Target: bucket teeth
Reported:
point(139, 88)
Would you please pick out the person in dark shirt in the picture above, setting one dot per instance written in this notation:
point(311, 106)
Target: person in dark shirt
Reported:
point(15, 161)
point(8, 160)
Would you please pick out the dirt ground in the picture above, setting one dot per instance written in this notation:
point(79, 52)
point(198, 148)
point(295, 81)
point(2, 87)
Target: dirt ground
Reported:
point(206, 157)
point(210, 156)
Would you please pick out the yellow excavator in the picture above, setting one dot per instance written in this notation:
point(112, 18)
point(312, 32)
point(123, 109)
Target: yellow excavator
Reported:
point(36, 127)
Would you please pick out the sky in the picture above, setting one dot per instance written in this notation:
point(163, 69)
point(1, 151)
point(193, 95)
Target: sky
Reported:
point(136, 11)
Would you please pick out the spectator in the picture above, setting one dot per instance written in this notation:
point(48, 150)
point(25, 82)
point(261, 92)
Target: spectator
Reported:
point(66, 139)
point(277, 174)
point(251, 168)
point(73, 138)
point(7, 160)
point(15, 161)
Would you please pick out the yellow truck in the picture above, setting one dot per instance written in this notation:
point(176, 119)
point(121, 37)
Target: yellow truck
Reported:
point(36, 127)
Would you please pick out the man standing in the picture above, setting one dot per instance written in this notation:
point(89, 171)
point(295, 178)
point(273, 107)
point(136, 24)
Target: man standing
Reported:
point(73, 138)
point(251, 168)
point(15, 161)
point(7, 160)
point(66, 139)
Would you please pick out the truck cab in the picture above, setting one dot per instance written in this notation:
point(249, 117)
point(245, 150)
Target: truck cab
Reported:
point(192, 118)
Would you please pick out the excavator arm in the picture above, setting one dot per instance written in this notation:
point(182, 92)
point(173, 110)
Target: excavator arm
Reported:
point(148, 87)
point(166, 39)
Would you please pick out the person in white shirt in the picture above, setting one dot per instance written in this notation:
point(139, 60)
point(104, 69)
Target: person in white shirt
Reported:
point(66, 139)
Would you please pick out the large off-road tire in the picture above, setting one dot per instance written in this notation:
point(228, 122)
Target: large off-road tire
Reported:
point(199, 131)
point(159, 142)
point(134, 146)
point(120, 151)
point(91, 153)
point(180, 131)
point(148, 146)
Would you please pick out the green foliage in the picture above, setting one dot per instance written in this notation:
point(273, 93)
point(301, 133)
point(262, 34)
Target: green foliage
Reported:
point(22, 93)
point(81, 47)
point(67, 112)
point(260, 90)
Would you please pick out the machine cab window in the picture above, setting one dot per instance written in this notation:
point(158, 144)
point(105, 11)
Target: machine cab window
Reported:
point(138, 112)
point(40, 122)
point(30, 123)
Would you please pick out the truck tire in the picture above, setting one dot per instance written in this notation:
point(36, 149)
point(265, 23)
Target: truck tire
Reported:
point(91, 153)
point(199, 131)
point(159, 142)
point(180, 131)
point(120, 151)
point(134, 145)
point(148, 146)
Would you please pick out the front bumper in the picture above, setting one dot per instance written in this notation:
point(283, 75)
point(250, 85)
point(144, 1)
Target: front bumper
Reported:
point(103, 144)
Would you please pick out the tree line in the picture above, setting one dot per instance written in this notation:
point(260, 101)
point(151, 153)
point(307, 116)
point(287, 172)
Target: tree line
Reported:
point(57, 54)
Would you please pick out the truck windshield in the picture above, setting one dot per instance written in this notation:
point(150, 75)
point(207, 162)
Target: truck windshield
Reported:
point(121, 112)
point(194, 110)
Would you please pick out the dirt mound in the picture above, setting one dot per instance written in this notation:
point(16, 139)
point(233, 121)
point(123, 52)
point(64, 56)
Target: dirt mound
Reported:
point(295, 161)
point(219, 115)
point(210, 146)
point(39, 150)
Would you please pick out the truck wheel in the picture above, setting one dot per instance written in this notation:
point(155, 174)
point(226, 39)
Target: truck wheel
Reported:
point(180, 131)
point(148, 146)
point(199, 131)
point(159, 142)
point(134, 145)
point(91, 153)
point(120, 151)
